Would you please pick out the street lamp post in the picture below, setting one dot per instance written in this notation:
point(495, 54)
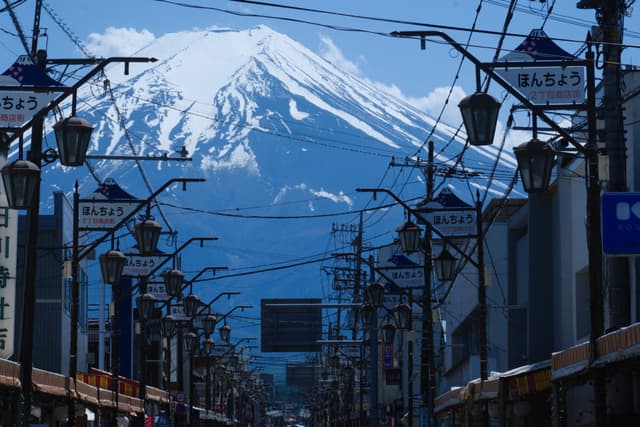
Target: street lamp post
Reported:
point(77, 256)
point(409, 235)
point(73, 134)
point(111, 265)
point(533, 159)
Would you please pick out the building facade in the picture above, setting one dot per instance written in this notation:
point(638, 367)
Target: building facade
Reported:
point(53, 291)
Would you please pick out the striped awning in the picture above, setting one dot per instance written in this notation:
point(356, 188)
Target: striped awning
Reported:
point(526, 383)
point(616, 346)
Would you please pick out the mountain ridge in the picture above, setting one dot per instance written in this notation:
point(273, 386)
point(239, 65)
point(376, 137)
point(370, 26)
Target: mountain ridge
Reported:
point(282, 137)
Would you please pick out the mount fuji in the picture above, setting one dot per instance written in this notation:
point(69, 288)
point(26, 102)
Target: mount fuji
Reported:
point(282, 138)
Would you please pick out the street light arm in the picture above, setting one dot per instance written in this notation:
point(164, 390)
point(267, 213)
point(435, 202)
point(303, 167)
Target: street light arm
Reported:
point(233, 346)
point(177, 251)
point(377, 270)
point(538, 111)
point(200, 273)
point(127, 217)
point(412, 211)
point(242, 307)
point(208, 305)
point(72, 91)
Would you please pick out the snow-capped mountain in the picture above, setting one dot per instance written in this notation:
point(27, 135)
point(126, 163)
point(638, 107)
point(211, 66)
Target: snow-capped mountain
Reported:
point(274, 129)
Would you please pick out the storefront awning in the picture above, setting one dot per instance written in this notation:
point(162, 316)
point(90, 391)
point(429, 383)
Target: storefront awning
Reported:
point(448, 399)
point(616, 346)
point(86, 393)
point(517, 383)
point(527, 379)
point(105, 398)
point(50, 383)
point(9, 373)
point(480, 390)
point(156, 395)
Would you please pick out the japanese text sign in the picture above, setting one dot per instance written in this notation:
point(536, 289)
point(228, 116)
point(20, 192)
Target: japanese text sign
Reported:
point(451, 222)
point(139, 265)
point(17, 108)
point(8, 254)
point(548, 85)
point(158, 290)
point(102, 214)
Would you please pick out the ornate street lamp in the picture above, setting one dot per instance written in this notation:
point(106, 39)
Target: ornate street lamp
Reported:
point(72, 136)
point(409, 235)
point(208, 345)
point(168, 326)
point(445, 265)
point(334, 361)
point(147, 235)
point(389, 332)
point(375, 294)
point(191, 303)
point(225, 333)
point(146, 303)
point(234, 360)
point(111, 264)
point(480, 116)
point(535, 163)
point(367, 312)
point(173, 282)
point(21, 179)
point(324, 373)
point(190, 342)
point(209, 323)
point(221, 370)
point(348, 371)
point(403, 316)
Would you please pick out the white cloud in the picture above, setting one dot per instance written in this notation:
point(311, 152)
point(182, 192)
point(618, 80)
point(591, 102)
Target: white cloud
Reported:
point(118, 41)
point(340, 197)
point(330, 52)
point(433, 102)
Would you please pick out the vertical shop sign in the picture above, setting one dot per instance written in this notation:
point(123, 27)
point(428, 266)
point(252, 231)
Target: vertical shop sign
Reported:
point(8, 263)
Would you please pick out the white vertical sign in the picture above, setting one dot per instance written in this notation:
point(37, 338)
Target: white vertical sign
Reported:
point(8, 266)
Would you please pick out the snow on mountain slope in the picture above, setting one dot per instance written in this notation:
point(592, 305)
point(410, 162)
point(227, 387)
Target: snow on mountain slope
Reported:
point(274, 129)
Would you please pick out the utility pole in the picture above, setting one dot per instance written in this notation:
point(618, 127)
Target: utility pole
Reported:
point(31, 249)
point(617, 280)
point(351, 276)
point(617, 291)
point(427, 365)
point(610, 17)
point(428, 378)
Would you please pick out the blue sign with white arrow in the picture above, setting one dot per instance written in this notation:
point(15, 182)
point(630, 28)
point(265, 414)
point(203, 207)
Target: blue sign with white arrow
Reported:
point(621, 223)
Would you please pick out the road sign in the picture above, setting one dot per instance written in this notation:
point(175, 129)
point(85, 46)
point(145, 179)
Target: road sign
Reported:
point(621, 223)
